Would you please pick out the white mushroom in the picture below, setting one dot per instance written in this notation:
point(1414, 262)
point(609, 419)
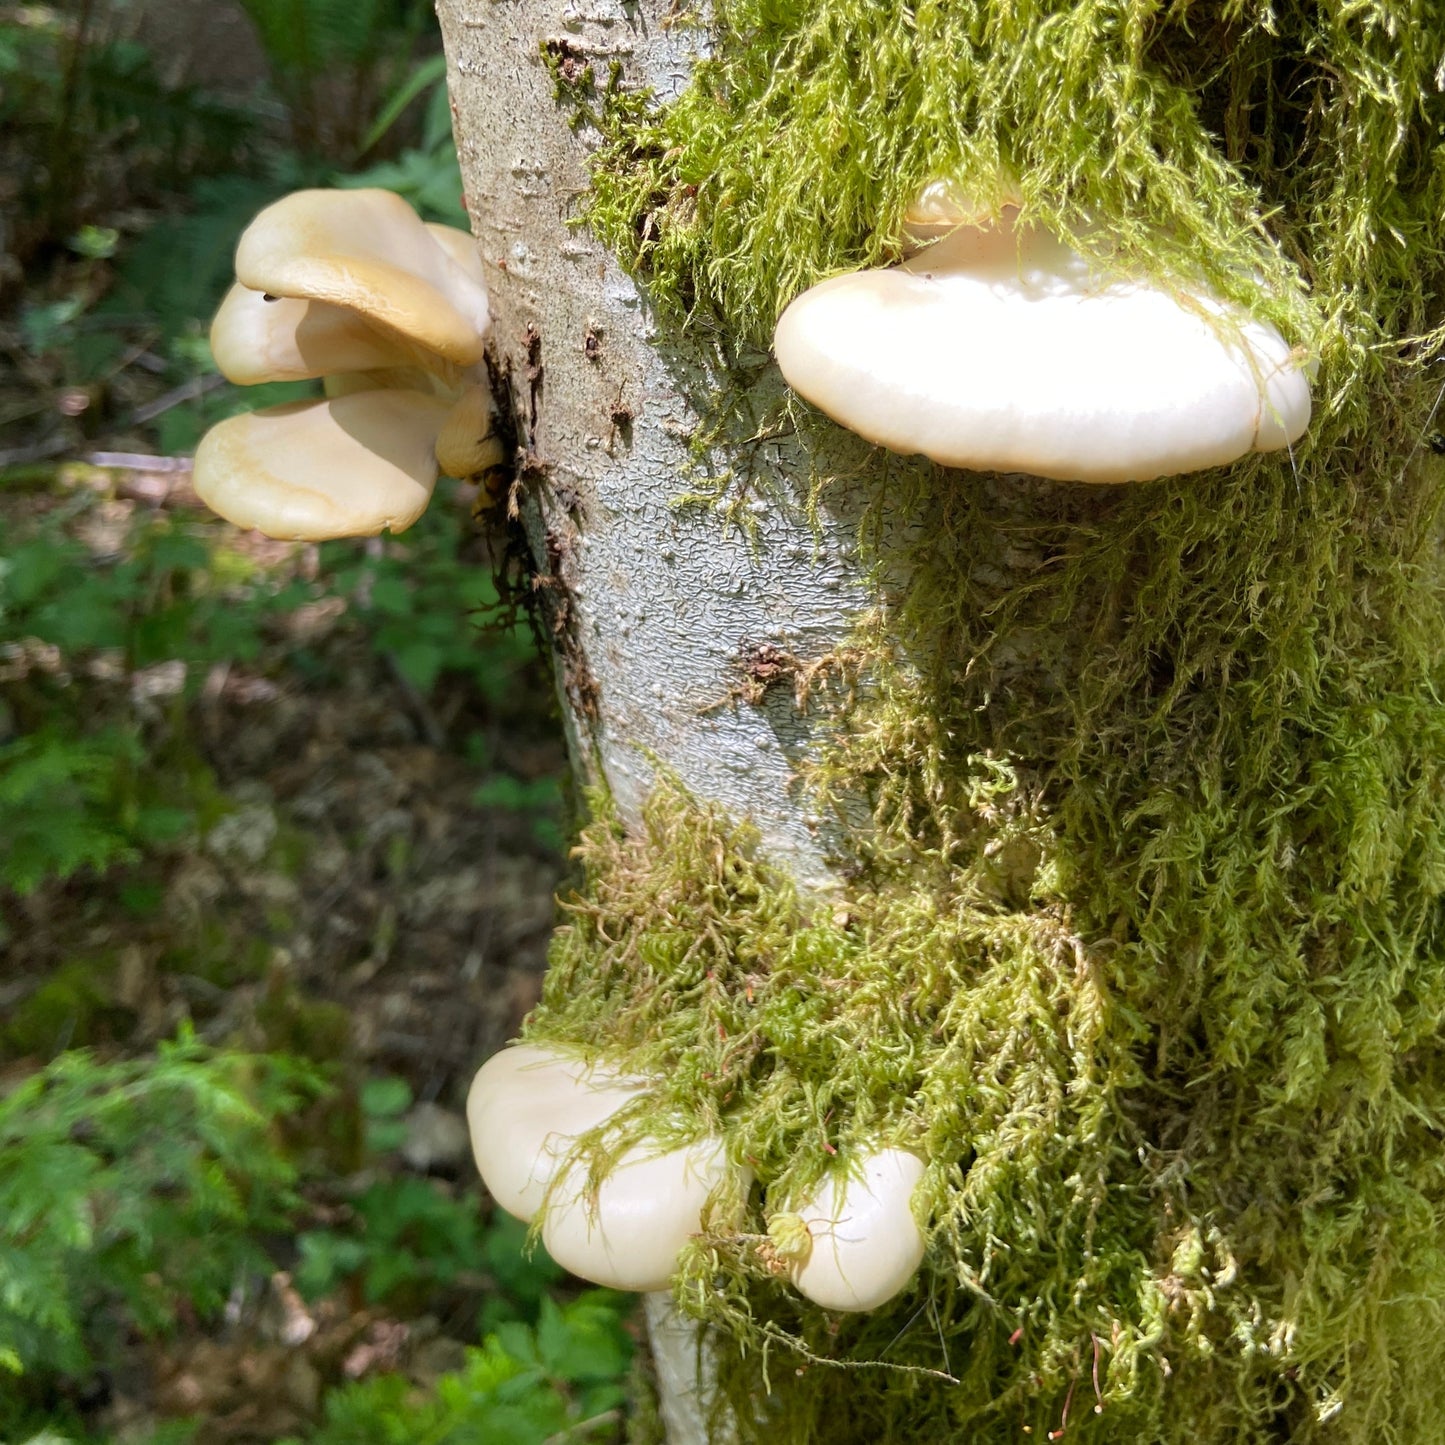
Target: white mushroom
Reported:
point(629, 1233)
point(346, 466)
point(353, 287)
point(852, 1242)
point(1001, 349)
point(942, 206)
point(527, 1107)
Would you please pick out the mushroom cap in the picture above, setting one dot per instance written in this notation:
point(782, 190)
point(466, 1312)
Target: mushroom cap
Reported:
point(348, 466)
point(526, 1106)
point(1001, 349)
point(461, 246)
point(466, 445)
point(369, 251)
point(865, 1243)
point(943, 205)
point(629, 1233)
point(282, 338)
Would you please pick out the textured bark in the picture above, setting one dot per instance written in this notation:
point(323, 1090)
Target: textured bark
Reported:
point(655, 610)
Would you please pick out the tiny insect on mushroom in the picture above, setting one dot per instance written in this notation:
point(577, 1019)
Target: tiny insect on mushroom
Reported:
point(999, 348)
point(527, 1107)
point(353, 287)
point(852, 1243)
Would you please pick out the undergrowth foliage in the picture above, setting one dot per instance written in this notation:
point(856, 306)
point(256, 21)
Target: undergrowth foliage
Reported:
point(1144, 953)
point(134, 1185)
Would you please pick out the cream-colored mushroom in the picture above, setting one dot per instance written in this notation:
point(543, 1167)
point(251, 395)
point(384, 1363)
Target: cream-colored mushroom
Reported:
point(353, 287)
point(629, 1233)
point(346, 466)
point(461, 247)
point(852, 1242)
point(367, 250)
point(257, 338)
point(942, 206)
point(1001, 349)
point(467, 446)
point(527, 1108)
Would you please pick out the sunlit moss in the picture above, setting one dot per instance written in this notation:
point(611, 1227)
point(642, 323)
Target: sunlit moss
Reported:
point(1144, 951)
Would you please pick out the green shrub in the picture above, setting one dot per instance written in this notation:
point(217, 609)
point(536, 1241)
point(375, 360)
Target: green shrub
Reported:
point(526, 1385)
point(129, 1187)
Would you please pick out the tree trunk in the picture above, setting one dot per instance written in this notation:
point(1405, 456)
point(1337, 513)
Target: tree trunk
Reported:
point(1086, 841)
point(654, 611)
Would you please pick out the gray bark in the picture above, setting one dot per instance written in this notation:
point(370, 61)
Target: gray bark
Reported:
point(656, 608)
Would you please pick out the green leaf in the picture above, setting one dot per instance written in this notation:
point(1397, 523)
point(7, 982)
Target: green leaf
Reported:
point(421, 663)
point(427, 73)
point(585, 1342)
point(132, 1185)
point(386, 1097)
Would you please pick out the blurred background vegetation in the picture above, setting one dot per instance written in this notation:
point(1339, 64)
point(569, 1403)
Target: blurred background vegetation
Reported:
point(280, 825)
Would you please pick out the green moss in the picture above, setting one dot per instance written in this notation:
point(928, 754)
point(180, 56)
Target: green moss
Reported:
point(306, 1028)
point(72, 1008)
point(1146, 951)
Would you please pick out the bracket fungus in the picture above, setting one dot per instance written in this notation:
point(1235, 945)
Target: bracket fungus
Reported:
point(999, 348)
point(852, 1243)
point(527, 1108)
point(354, 287)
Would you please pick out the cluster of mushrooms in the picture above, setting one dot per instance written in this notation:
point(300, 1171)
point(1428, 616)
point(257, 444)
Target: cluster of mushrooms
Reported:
point(994, 347)
point(353, 287)
point(850, 1244)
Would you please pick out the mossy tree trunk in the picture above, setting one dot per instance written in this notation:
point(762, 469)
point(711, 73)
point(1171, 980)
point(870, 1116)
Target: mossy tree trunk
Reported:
point(1089, 842)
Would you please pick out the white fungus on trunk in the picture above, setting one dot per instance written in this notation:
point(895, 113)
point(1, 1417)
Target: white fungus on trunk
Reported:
point(852, 1243)
point(999, 348)
point(526, 1107)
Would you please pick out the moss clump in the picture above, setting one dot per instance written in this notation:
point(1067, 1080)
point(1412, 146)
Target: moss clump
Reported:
point(1146, 949)
point(1098, 1236)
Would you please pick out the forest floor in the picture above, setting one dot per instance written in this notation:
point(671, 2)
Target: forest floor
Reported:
point(360, 872)
point(279, 810)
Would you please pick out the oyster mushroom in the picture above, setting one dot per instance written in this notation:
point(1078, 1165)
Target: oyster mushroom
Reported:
point(368, 251)
point(347, 466)
point(852, 1242)
point(527, 1108)
point(353, 287)
point(999, 348)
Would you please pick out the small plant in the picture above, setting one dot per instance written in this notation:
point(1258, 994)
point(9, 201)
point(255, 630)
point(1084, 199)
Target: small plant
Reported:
point(540, 800)
point(410, 1235)
point(414, 1236)
point(413, 594)
point(132, 1190)
point(563, 1378)
point(384, 1102)
point(329, 60)
point(94, 111)
point(77, 789)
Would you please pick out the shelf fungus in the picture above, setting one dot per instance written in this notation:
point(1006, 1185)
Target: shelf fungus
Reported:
point(999, 348)
point(527, 1108)
point(852, 1243)
point(351, 286)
